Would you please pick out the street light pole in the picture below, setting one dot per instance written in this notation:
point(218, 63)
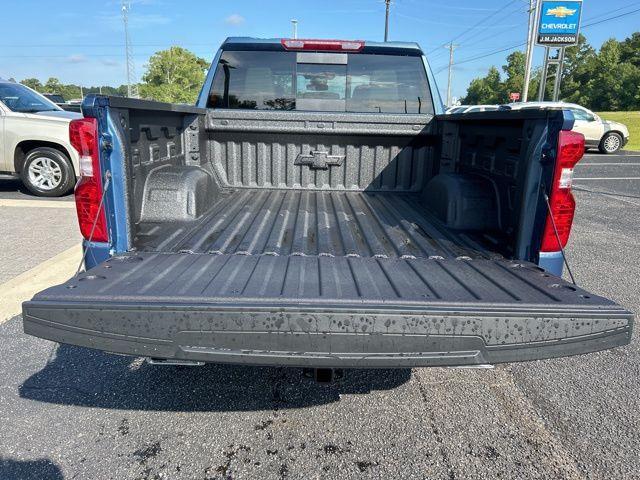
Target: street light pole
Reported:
point(531, 33)
point(132, 86)
point(386, 20)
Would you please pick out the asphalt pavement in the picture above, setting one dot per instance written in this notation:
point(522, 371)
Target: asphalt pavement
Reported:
point(68, 412)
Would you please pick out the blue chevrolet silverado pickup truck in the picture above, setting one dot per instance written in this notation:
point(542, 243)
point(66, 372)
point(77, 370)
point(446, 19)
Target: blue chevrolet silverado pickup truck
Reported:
point(316, 208)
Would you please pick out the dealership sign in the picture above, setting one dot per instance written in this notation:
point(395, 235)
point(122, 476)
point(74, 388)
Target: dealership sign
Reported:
point(559, 23)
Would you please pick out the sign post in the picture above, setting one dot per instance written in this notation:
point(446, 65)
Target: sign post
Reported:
point(558, 28)
point(531, 34)
point(558, 80)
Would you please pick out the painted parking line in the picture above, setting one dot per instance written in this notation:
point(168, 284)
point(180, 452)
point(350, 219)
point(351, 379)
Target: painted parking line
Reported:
point(620, 197)
point(607, 178)
point(7, 202)
point(590, 164)
point(591, 155)
point(50, 272)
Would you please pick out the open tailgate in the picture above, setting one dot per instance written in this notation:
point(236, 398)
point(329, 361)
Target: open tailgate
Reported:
point(326, 311)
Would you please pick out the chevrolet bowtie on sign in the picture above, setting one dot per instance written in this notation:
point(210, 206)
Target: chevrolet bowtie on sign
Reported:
point(561, 12)
point(559, 23)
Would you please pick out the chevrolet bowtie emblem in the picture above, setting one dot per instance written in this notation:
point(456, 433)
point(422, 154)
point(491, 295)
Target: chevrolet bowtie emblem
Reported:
point(560, 12)
point(319, 160)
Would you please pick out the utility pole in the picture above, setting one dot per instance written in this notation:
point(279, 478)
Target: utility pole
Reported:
point(531, 34)
point(294, 26)
point(132, 86)
point(386, 20)
point(451, 48)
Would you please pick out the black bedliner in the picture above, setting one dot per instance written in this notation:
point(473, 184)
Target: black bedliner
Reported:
point(312, 223)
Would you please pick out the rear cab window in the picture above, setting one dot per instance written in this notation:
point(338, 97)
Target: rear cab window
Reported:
point(318, 81)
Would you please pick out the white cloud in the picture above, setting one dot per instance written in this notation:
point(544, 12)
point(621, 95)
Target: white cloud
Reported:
point(77, 58)
point(234, 19)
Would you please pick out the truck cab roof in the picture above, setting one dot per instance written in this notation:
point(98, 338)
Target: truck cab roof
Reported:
point(277, 44)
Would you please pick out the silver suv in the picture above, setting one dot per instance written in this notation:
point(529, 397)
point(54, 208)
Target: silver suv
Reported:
point(34, 141)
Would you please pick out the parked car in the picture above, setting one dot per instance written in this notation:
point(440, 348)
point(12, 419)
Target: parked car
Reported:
point(472, 108)
point(316, 208)
point(34, 141)
point(605, 135)
point(70, 106)
point(55, 98)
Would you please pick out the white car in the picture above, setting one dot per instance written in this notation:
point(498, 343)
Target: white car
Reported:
point(472, 108)
point(34, 141)
point(605, 135)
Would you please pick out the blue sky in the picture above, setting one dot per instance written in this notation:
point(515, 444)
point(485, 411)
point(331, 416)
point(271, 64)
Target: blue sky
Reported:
point(82, 41)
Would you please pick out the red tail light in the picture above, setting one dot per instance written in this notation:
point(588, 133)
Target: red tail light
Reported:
point(331, 45)
point(563, 206)
point(83, 134)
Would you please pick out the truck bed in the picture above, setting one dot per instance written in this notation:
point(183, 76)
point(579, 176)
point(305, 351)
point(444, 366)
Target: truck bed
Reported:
point(236, 241)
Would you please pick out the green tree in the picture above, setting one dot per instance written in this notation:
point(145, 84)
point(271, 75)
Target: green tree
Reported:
point(53, 85)
point(71, 91)
point(492, 89)
point(33, 83)
point(612, 85)
point(630, 50)
point(173, 75)
point(578, 65)
point(514, 69)
point(487, 89)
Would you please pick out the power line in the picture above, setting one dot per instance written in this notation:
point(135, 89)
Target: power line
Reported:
point(480, 41)
point(80, 45)
point(611, 18)
point(496, 12)
point(507, 15)
point(632, 4)
point(93, 55)
point(492, 53)
point(472, 59)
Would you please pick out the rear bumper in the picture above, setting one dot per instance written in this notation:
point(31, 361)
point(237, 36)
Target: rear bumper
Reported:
point(321, 338)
